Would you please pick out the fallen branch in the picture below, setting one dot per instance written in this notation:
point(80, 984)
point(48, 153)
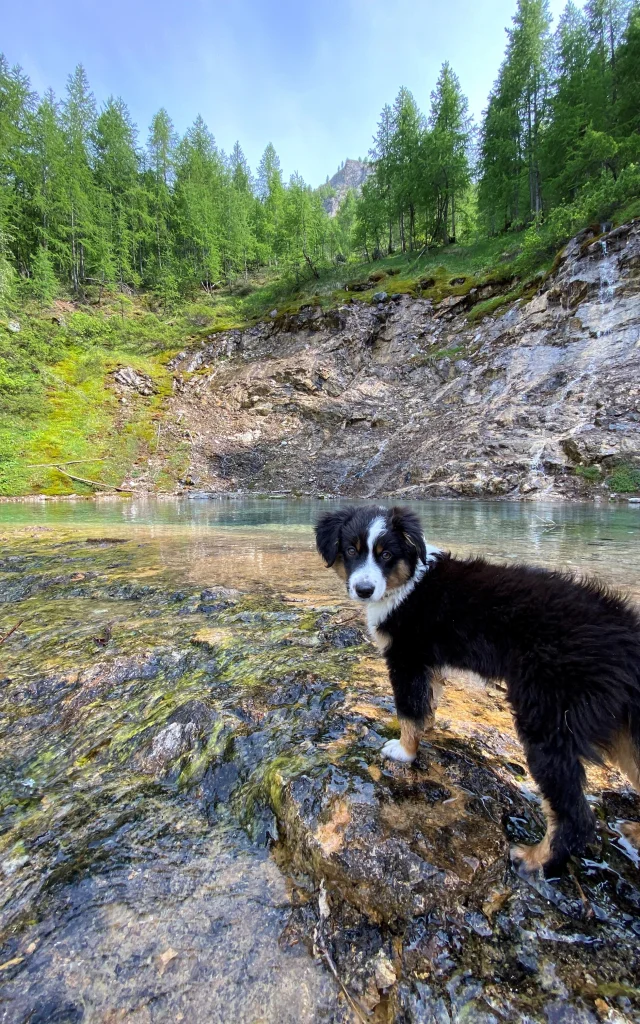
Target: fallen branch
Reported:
point(54, 465)
point(12, 630)
point(93, 483)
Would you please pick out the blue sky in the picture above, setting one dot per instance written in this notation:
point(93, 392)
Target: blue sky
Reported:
point(309, 77)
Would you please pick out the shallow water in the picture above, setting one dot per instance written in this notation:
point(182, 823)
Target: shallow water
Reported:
point(266, 534)
point(153, 692)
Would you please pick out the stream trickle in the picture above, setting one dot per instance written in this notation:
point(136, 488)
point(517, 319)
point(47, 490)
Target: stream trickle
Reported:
point(190, 725)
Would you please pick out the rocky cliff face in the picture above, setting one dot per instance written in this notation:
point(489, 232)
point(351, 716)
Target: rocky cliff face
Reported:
point(352, 175)
point(406, 397)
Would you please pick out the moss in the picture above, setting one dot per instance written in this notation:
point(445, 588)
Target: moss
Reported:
point(591, 473)
point(489, 306)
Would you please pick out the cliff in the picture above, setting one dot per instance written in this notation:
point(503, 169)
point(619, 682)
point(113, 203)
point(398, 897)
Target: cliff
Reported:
point(407, 397)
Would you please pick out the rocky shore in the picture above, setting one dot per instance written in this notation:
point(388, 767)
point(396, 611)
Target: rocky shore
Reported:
point(411, 397)
point(197, 823)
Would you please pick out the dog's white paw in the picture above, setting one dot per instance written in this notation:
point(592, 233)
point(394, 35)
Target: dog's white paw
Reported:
point(396, 752)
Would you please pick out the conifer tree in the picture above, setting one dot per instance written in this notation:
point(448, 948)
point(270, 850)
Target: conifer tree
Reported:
point(42, 283)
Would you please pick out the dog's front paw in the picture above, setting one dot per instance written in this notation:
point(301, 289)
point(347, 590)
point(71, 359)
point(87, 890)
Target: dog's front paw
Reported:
point(396, 752)
point(528, 860)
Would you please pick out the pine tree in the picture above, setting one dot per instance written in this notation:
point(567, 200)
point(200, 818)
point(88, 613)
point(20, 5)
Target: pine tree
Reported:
point(42, 284)
point(79, 115)
point(446, 150)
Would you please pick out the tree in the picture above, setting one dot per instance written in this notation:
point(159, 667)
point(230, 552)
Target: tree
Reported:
point(511, 179)
point(78, 116)
point(446, 149)
point(42, 284)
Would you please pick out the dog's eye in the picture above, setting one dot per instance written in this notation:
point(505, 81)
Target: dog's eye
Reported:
point(386, 555)
point(351, 551)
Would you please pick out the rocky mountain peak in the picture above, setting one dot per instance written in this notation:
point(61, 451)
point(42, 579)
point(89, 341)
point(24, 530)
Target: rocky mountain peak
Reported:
point(352, 174)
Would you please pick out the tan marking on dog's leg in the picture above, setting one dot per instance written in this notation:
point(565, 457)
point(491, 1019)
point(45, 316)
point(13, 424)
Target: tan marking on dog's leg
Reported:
point(534, 857)
point(381, 639)
point(410, 734)
point(437, 686)
point(626, 756)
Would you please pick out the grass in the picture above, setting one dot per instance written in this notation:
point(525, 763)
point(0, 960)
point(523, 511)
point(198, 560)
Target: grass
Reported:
point(591, 473)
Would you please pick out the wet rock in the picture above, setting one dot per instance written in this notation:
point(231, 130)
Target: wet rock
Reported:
point(403, 844)
point(347, 636)
point(171, 742)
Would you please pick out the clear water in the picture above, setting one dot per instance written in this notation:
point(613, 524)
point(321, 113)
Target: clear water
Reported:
point(195, 535)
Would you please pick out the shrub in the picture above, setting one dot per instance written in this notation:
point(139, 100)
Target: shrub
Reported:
point(624, 480)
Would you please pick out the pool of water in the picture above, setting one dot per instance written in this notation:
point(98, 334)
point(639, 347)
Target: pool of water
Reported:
point(196, 534)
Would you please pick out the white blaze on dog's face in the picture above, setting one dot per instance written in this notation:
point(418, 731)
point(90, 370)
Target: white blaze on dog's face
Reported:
point(366, 581)
point(378, 552)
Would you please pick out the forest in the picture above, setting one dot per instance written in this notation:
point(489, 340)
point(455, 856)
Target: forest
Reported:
point(86, 203)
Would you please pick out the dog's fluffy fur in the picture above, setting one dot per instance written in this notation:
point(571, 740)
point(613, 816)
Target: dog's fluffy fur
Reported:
point(568, 651)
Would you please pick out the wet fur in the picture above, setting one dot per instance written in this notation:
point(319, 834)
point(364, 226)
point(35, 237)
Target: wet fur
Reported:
point(567, 649)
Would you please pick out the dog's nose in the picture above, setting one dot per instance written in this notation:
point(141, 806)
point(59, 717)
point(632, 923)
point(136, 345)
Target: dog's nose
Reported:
point(364, 590)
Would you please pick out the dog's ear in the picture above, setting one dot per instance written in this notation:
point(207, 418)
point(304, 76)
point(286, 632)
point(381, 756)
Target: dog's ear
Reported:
point(406, 523)
point(328, 533)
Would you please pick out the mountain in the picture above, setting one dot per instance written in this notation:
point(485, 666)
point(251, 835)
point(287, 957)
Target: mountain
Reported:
point(351, 175)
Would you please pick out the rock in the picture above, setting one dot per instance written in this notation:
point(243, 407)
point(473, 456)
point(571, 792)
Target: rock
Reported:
point(556, 373)
point(14, 326)
point(133, 380)
point(273, 314)
point(384, 972)
point(379, 296)
point(172, 741)
point(400, 845)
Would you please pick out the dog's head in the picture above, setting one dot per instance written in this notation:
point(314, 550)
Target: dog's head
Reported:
point(375, 550)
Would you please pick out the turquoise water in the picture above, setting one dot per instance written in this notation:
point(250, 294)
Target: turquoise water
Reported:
point(604, 540)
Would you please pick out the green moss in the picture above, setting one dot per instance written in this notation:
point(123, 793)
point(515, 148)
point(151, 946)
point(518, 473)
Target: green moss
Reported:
point(591, 473)
point(489, 306)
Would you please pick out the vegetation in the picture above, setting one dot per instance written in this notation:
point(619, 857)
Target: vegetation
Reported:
point(116, 251)
point(625, 479)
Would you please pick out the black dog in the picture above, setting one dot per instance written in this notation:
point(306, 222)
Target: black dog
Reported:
point(568, 651)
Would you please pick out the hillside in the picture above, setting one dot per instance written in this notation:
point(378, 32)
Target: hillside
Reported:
point(447, 375)
point(433, 395)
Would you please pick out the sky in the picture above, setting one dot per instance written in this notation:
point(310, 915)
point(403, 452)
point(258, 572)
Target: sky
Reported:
point(311, 78)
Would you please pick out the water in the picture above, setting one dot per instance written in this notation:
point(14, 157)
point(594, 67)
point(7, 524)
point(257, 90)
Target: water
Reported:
point(154, 700)
point(194, 536)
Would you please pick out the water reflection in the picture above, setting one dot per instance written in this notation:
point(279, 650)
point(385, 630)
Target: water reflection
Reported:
point(269, 542)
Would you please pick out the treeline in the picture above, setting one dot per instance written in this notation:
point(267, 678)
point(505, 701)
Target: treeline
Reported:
point(83, 203)
point(562, 121)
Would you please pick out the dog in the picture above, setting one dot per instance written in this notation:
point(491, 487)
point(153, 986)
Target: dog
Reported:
point(567, 649)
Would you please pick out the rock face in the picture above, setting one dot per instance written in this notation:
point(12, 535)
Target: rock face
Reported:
point(351, 176)
point(406, 397)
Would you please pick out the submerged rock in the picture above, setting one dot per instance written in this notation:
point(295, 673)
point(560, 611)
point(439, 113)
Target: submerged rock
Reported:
point(197, 823)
